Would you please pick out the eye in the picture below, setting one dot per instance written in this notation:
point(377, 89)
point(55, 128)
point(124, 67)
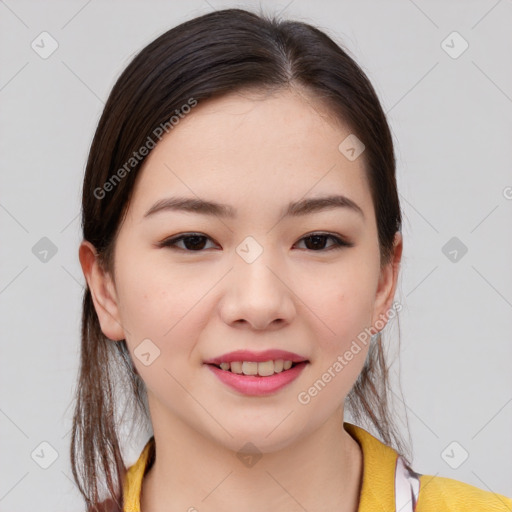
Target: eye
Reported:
point(316, 242)
point(191, 241)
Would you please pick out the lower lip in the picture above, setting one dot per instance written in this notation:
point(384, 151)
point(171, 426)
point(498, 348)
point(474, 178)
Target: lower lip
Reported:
point(254, 385)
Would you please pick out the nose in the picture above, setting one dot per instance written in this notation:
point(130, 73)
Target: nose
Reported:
point(257, 295)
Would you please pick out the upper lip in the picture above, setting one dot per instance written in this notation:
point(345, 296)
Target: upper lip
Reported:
point(258, 357)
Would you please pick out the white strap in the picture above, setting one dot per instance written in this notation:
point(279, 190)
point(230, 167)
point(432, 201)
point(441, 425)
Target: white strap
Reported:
point(407, 487)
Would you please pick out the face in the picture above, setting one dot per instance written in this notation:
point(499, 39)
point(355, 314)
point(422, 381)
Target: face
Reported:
point(194, 284)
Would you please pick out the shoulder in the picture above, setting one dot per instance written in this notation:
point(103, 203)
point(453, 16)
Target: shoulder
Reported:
point(440, 493)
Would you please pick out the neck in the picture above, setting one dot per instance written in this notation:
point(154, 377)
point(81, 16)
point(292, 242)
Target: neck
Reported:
point(318, 472)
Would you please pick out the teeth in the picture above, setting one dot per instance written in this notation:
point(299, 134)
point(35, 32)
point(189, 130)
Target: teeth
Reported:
point(263, 369)
point(278, 366)
point(251, 368)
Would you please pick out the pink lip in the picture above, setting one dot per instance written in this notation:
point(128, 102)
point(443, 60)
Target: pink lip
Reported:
point(254, 385)
point(257, 357)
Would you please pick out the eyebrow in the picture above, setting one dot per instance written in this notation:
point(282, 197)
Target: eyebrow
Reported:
point(294, 209)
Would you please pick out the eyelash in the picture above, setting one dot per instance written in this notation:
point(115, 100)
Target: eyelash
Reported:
point(339, 243)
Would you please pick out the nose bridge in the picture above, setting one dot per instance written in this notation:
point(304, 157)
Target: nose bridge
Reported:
point(253, 264)
point(256, 291)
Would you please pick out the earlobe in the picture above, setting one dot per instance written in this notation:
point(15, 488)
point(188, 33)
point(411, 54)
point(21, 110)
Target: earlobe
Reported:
point(388, 282)
point(103, 292)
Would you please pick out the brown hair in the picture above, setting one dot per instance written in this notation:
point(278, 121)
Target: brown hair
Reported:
point(211, 55)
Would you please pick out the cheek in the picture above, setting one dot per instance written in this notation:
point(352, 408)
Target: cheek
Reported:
point(351, 312)
point(343, 303)
point(344, 350)
point(162, 325)
point(156, 304)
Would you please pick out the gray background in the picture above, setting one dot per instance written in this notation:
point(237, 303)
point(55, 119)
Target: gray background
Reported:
point(451, 120)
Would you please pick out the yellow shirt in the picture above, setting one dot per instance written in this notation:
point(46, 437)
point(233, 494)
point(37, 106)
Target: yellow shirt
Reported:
point(378, 492)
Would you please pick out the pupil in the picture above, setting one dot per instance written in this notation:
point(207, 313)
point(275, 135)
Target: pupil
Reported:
point(317, 239)
point(196, 242)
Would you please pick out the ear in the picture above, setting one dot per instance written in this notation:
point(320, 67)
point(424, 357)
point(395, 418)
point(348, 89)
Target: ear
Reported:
point(387, 282)
point(103, 292)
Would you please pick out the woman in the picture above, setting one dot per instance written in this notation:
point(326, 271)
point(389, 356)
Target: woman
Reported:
point(241, 247)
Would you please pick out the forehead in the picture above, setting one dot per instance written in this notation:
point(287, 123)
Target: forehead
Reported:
point(249, 147)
